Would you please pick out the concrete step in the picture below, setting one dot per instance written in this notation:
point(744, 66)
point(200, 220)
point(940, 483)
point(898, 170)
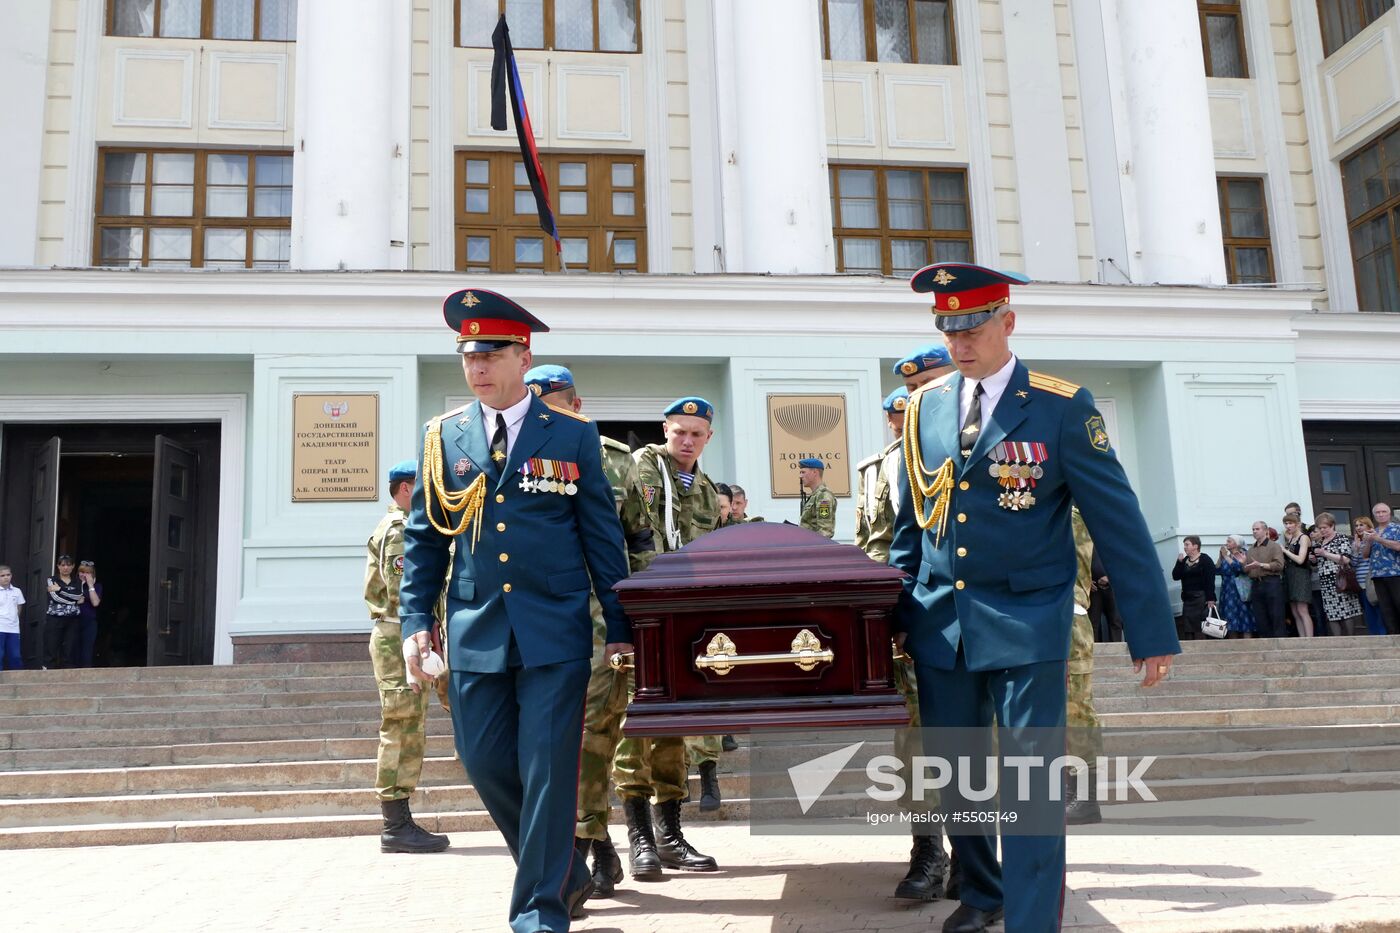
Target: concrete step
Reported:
point(203, 672)
point(1285, 717)
point(37, 708)
point(144, 756)
point(1206, 646)
point(1164, 702)
point(223, 686)
point(355, 727)
point(1179, 685)
point(1117, 670)
point(103, 722)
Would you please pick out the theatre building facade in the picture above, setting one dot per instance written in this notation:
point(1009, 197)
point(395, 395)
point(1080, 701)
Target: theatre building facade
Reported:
point(231, 225)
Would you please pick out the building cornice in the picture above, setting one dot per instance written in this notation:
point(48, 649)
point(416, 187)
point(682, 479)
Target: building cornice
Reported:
point(1347, 337)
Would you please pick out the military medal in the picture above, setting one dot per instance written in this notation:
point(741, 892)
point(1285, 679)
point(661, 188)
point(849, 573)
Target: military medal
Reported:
point(556, 476)
point(1016, 465)
point(462, 467)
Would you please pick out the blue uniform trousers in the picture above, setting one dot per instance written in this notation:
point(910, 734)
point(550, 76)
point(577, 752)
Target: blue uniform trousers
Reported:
point(1030, 879)
point(518, 735)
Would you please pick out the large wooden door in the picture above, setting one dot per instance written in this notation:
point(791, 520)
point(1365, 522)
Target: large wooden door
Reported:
point(43, 533)
point(1385, 475)
point(1337, 474)
point(175, 602)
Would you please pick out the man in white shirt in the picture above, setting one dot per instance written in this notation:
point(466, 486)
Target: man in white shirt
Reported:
point(10, 600)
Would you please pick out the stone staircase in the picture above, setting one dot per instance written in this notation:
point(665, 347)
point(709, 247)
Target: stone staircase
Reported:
point(265, 751)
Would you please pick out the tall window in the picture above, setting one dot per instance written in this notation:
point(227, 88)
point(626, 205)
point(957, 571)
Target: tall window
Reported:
point(1222, 33)
point(181, 209)
point(598, 208)
point(1343, 19)
point(204, 19)
point(898, 220)
point(579, 25)
point(1371, 181)
point(918, 31)
point(1244, 219)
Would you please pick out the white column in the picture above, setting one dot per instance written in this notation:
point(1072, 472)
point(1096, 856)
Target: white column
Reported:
point(24, 66)
point(1173, 158)
point(780, 136)
point(346, 165)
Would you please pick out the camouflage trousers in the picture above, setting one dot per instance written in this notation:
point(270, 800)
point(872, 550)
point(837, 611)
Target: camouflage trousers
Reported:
point(702, 749)
point(403, 716)
point(1083, 736)
point(908, 743)
point(604, 708)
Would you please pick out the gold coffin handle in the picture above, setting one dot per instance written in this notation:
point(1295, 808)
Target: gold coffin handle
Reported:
point(722, 655)
point(622, 660)
point(899, 653)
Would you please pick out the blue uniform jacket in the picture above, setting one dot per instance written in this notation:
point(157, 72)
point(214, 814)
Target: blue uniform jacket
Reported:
point(1001, 583)
point(539, 552)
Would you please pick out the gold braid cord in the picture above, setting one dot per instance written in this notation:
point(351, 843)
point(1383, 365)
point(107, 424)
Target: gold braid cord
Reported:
point(936, 486)
point(467, 501)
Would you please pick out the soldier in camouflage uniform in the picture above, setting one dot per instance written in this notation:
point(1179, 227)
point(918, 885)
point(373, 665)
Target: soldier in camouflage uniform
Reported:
point(605, 703)
point(404, 706)
point(818, 503)
point(1081, 721)
point(928, 863)
point(681, 504)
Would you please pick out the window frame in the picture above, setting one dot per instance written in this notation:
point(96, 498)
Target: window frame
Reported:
point(1232, 242)
point(1331, 44)
point(502, 225)
point(872, 51)
point(1206, 9)
point(1386, 208)
point(547, 11)
point(197, 221)
point(887, 234)
point(206, 23)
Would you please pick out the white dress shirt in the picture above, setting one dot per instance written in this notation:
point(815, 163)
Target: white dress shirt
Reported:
point(515, 417)
point(992, 388)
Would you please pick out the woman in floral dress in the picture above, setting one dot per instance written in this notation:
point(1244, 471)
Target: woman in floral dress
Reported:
point(1234, 605)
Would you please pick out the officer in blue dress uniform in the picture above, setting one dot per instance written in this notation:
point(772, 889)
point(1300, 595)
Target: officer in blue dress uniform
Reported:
point(993, 456)
point(520, 487)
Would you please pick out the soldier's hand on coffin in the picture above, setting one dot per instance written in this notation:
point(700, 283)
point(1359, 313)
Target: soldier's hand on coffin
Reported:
point(413, 660)
point(899, 639)
point(618, 647)
point(1157, 668)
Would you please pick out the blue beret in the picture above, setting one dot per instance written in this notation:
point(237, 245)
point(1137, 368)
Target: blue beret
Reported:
point(404, 469)
point(897, 401)
point(930, 357)
point(964, 295)
point(484, 321)
point(691, 405)
point(543, 380)
point(812, 462)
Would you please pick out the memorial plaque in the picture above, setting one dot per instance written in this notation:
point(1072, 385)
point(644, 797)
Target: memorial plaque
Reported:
point(801, 426)
point(335, 448)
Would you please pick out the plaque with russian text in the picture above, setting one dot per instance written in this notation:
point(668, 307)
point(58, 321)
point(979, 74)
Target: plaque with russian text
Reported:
point(335, 448)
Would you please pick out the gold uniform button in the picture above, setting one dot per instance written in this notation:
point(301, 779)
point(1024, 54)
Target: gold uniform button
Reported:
point(964, 485)
point(504, 558)
point(506, 587)
point(960, 585)
point(500, 526)
point(962, 517)
point(500, 497)
point(962, 552)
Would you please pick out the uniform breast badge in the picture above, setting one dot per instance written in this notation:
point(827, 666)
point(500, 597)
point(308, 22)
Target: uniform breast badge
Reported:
point(557, 476)
point(462, 467)
point(1016, 465)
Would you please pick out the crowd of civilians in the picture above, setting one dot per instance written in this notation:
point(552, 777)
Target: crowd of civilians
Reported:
point(1305, 581)
point(67, 632)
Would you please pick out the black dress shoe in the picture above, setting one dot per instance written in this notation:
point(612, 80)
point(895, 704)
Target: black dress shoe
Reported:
point(968, 919)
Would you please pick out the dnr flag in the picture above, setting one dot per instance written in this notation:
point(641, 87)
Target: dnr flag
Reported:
point(503, 73)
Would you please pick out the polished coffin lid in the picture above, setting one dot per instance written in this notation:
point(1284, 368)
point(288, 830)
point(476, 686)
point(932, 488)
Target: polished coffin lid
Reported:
point(759, 561)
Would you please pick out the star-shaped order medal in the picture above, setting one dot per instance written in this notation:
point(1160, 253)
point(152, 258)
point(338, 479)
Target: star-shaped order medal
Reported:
point(1022, 393)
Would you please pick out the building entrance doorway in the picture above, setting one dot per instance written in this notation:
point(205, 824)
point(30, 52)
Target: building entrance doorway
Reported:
point(1351, 466)
point(138, 500)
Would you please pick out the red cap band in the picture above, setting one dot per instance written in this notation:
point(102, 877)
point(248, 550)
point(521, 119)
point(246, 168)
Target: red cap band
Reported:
point(490, 328)
point(972, 299)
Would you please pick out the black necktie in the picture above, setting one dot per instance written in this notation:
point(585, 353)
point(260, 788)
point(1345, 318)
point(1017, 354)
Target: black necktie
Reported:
point(972, 425)
point(498, 441)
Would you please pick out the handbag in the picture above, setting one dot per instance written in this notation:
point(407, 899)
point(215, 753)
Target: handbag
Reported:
point(1213, 625)
point(1346, 580)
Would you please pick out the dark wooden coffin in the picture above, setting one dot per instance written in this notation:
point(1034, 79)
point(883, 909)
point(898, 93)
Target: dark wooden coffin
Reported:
point(762, 626)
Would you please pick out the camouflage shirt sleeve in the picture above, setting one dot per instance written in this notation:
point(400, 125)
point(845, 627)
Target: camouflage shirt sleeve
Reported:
point(819, 514)
point(636, 523)
point(1084, 553)
point(384, 568)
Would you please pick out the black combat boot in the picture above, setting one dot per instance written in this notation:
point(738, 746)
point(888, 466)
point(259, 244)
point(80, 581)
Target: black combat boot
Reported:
point(709, 787)
point(928, 871)
point(607, 868)
point(1078, 811)
point(728, 744)
point(671, 846)
point(401, 834)
point(646, 864)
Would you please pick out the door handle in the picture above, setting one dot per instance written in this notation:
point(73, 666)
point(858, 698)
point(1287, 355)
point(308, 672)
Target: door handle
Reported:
point(722, 655)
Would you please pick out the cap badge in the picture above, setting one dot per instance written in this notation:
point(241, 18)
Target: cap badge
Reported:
point(690, 408)
point(534, 387)
point(942, 277)
point(953, 303)
point(474, 328)
point(909, 369)
point(471, 301)
point(900, 404)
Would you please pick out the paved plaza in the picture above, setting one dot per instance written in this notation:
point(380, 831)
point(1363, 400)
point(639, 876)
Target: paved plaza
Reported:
point(779, 884)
